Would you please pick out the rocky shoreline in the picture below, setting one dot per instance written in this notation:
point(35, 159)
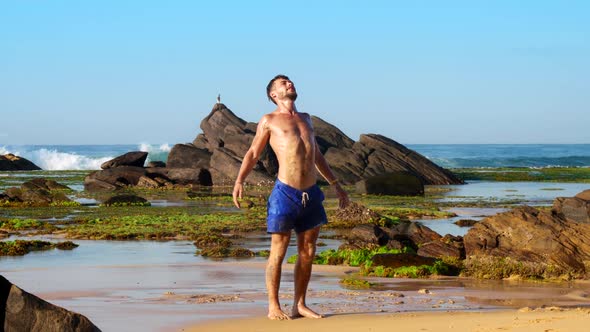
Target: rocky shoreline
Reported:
point(376, 164)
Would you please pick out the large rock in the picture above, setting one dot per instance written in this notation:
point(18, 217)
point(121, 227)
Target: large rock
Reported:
point(328, 136)
point(368, 236)
point(134, 158)
point(214, 125)
point(188, 156)
point(223, 130)
point(585, 195)
point(156, 163)
point(554, 246)
point(386, 155)
point(38, 192)
point(126, 200)
point(448, 246)
point(414, 232)
point(226, 138)
point(114, 178)
point(10, 162)
point(356, 214)
point(573, 208)
point(375, 155)
point(226, 166)
point(405, 233)
point(186, 176)
point(22, 311)
point(395, 183)
point(44, 184)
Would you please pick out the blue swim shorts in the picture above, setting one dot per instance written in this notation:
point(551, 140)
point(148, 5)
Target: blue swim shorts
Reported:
point(289, 208)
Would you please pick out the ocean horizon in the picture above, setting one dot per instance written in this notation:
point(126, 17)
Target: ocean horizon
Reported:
point(90, 157)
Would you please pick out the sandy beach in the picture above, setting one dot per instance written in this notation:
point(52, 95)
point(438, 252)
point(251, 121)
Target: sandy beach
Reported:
point(551, 319)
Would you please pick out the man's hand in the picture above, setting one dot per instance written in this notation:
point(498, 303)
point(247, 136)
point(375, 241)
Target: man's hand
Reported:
point(238, 190)
point(343, 200)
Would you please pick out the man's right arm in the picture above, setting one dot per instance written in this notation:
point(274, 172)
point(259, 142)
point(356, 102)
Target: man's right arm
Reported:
point(251, 157)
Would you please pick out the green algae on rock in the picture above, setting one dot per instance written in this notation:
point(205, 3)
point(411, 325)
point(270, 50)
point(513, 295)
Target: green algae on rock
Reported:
point(23, 247)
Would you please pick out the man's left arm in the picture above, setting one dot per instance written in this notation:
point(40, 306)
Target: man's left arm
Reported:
point(322, 166)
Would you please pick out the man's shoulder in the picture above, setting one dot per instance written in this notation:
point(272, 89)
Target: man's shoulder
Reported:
point(268, 117)
point(306, 117)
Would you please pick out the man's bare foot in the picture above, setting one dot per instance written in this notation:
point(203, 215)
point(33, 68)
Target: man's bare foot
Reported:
point(277, 314)
point(304, 311)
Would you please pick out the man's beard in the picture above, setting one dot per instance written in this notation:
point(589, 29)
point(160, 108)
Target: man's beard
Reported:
point(291, 95)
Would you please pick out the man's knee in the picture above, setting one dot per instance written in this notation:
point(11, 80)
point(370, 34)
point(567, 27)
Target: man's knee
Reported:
point(307, 252)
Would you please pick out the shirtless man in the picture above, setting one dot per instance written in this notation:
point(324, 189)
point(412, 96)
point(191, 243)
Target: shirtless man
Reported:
point(296, 200)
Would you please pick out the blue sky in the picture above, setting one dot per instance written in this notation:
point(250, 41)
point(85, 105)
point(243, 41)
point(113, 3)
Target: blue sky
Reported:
point(124, 72)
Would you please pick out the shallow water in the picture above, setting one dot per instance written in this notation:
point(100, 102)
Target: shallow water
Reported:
point(162, 286)
point(447, 226)
point(534, 193)
point(512, 193)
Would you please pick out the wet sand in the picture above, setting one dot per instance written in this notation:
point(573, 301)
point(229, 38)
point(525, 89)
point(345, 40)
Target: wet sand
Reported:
point(174, 296)
point(548, 319)
point(163, 286)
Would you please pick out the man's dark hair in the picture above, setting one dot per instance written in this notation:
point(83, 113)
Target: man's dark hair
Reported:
point(270, 84)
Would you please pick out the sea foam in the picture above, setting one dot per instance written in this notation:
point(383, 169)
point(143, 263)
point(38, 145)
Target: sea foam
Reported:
point(58, 161)
point(155, 152)
point(53, 160)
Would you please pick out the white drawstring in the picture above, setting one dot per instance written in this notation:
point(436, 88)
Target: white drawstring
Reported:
point(304, 198)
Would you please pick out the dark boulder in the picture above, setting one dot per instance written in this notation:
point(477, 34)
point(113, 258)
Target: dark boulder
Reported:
point(395, 183)
point(347, 164)
point(412, 232)
point(44, 184)
point(375, 155)
point(236, 139)
point(448, 246)
point(201, 142)
point(156, 163)
point(38, 192)
point(214, 125)
point(93, 185)
point(22, 311)
point(368, 236)
point(398, 260)
point(225, 167)
point(356, 214)
point(403, 234)
point(572, 208)
point(10, 162)
point(188, 156)
point(114, 178)
point(32, 196)
point(147, 182)
point(189, 176)
point(556, 246)
point(351, 161)
point(126, 200)
point(328, 136)
point(134, 158)
point(466, 222)
point(223, 130)
point(387, 155)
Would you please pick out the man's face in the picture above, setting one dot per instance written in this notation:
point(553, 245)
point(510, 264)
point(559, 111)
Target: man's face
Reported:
point(283, 88)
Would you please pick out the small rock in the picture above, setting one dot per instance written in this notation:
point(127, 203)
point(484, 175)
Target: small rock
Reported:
point(466, 222)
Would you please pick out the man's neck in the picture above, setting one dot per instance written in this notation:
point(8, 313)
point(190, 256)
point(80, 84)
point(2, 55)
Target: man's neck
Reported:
point(286, 106)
